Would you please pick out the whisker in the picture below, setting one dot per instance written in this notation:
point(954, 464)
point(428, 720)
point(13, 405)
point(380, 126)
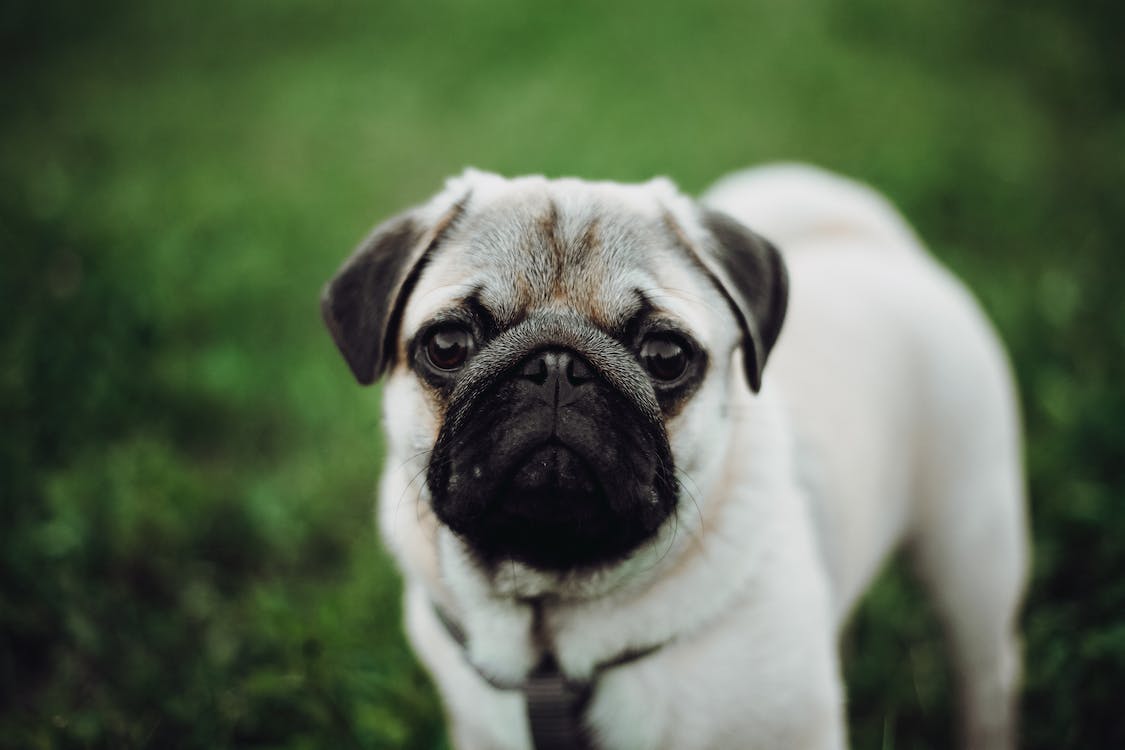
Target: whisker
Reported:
point(410, 483)
point(691, 493)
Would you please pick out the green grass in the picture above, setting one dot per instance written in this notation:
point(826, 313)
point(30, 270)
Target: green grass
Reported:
point(189, 557)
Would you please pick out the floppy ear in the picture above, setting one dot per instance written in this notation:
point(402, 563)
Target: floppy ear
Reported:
point(362, 304)
point(753, 278)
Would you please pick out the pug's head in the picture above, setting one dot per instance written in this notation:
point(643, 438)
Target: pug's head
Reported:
point(556, 354)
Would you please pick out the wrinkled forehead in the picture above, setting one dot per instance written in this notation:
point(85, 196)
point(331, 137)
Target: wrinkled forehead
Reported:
point(605, 251)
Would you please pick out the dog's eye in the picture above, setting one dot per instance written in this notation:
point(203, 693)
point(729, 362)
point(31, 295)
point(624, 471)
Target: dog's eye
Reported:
point(448, 347)
point(665, 356)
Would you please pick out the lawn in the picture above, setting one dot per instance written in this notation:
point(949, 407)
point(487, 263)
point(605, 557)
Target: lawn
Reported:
point(186, 466)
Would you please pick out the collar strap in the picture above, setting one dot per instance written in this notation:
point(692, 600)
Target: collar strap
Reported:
point(556, 704)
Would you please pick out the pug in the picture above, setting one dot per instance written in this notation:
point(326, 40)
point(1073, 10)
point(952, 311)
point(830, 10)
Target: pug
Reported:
point(642, 462)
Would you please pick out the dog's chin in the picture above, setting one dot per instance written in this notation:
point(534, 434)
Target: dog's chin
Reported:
point(555, 514)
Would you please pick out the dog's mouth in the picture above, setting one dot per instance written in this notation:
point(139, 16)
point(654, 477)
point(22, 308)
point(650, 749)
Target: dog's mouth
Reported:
point(553, 483)
point(552, 512)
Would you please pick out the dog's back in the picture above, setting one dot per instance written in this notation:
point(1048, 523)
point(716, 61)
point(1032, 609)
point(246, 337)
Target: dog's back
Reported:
point(796, 204)
point(885, 357)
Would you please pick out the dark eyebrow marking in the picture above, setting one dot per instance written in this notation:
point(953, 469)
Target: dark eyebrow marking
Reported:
point(484, 318)
point(642, 310)
point(549, 230)
point(588, 242)
point(549, 236)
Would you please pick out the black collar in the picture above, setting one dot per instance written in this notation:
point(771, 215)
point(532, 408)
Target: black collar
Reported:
point(556, 704)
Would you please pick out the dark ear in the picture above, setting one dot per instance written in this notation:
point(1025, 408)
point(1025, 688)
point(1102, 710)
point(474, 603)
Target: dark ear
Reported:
point(756, 285)
point(361, 304)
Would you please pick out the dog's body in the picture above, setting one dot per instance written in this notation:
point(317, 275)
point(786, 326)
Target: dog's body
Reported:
point(886, 413)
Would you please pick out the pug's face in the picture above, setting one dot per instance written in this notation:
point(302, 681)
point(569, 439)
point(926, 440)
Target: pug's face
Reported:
point(557, 353)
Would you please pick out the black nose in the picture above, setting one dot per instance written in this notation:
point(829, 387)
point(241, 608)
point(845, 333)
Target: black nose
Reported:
point(558, 373)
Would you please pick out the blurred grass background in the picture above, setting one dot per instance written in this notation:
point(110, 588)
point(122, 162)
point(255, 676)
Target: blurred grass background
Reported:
point(186, 466)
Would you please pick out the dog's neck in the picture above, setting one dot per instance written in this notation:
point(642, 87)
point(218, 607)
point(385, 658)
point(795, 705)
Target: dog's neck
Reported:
point(590, 619)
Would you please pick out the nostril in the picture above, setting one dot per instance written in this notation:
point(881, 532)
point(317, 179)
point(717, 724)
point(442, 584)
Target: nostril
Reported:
point(578, 371)
point(535, 370)
point(557, 366)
